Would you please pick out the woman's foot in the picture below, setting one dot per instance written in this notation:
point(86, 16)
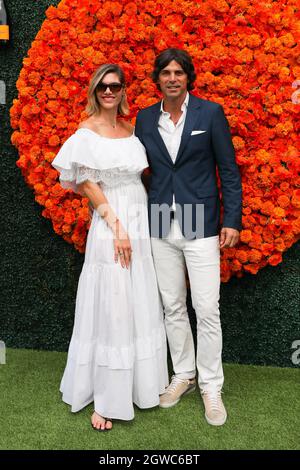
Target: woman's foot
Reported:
point(99, 423)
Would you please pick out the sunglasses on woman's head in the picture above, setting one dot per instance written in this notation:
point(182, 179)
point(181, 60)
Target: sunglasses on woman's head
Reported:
point(114, 87)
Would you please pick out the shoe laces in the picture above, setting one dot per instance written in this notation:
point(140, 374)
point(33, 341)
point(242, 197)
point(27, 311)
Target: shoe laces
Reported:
point(173, 385)
point(214, 400)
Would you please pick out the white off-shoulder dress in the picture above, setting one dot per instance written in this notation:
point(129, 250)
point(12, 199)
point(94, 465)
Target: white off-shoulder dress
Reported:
point(117, 355)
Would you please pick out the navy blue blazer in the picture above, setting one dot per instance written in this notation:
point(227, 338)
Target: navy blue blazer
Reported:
point(192, 178)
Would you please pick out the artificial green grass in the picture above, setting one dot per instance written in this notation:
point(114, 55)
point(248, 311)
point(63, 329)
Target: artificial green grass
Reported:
point(262, 404)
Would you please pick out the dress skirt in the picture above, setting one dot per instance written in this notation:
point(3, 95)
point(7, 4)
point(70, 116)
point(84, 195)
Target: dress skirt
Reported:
point(117, 355)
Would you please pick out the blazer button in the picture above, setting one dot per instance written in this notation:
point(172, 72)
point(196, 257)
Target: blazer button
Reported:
point(174, 169)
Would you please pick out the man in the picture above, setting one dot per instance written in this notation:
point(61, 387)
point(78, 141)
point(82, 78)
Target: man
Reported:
point(186, 138)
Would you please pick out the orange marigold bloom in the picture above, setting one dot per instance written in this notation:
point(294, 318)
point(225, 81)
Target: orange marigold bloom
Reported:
point(277, 109)
point(267, 208)
point(76, 203)
point(64, 92)
point(49, 203)
point(263, 220)
point(254, 256)
point(247, 210)
point(278, 212)
point(54, 141)
point(49, 156)
point(84, 213)
point(252, 268)
point(254, 40)
point(244, 56)
point(255, 203)
point(283, 129)
point(268, 236)
point(279, 244)
point(66, 72)
point(283, 201)
point(275, 259)
point(255, 241)
point(245, 236)
point(258, 229)
point(241, 255)
point(39, 188)
point(70, 217)
point(296, 198)
point(296, 226)
point(66, 228)
point(238, 143)
point(262, 156)
point(236, 265)
point(266, 249)
point(219, 5)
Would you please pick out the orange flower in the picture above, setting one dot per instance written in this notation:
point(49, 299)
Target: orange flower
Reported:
point(39, 188)
point(70, 217)
point(236, 265)
point(278, 212)
point(296, 226)
point(252, 268)
point(283, 201)
point(66, 228)
point(258, 229)
point(238, 143)
point(54, 141)
point(242, 256)
point(296, 198)
point(245, 236)
point(266, 249)
point(75, 203)
point(279, 244)
point(267, 208)
point(267, 236)
point(275, 259)
point(49, 156)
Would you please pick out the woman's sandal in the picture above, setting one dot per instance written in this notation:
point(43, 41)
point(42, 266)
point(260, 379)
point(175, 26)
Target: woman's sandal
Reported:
point(107, 420)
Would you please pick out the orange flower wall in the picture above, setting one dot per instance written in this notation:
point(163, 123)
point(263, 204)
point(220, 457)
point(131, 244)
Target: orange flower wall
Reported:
point(247, 58)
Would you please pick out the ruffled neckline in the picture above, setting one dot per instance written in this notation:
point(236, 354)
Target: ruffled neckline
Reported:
point(100, 153)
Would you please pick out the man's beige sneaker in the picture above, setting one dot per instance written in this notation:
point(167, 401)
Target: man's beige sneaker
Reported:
point(215, 412)
point(176, 389)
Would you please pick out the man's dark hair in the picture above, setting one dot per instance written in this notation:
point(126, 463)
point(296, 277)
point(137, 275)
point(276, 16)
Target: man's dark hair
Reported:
point(181, 57)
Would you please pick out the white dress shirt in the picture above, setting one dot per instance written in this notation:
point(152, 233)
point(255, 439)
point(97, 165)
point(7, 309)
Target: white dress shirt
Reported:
point(171, 133)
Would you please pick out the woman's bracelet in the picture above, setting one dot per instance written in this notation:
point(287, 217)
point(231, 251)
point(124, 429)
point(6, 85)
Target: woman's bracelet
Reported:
point(107, 214)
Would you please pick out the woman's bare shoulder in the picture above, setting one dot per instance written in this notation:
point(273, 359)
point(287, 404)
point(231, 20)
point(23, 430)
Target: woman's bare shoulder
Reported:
point(86, 123)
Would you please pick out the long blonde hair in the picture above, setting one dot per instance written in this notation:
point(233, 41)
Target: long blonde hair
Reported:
point(93, 106)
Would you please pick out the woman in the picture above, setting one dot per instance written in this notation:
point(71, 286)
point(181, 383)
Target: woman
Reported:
point(117, 354)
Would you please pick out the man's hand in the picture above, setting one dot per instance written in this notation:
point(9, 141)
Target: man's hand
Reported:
point(229, 237)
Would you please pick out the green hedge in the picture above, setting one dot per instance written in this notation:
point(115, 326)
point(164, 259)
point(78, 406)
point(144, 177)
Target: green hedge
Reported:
point(39, 275)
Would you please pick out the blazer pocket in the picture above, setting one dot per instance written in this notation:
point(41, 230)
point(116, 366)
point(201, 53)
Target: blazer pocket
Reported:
point(197, 132)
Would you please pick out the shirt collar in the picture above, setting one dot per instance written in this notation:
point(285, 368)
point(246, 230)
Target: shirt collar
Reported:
point(183, 106)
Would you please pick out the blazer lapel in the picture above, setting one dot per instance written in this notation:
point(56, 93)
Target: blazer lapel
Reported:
point(190, 120)
point(156, 135)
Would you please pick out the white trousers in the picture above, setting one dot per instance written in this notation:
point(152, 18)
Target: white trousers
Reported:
point(202, 259)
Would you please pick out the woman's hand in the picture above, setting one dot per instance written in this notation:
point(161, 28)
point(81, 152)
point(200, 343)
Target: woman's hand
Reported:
point(122, 248)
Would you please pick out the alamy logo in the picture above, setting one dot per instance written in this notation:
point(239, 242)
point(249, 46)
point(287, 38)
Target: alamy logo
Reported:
point(2, 92)
point(296, 354)
point(2, 353)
